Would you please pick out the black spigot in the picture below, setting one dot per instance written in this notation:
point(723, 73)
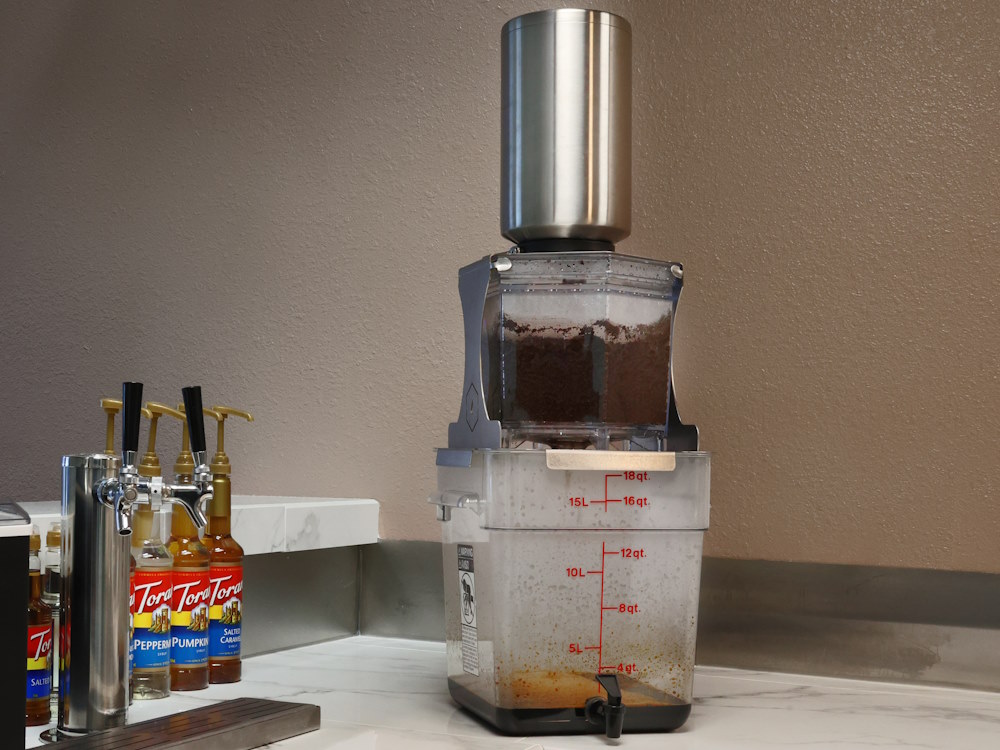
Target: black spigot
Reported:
point(131, 412)
point(610, 713)
point(195, 418)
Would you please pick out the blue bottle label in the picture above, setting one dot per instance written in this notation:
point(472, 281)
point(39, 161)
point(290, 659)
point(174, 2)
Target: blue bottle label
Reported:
point(188, 648)
point(39, 684)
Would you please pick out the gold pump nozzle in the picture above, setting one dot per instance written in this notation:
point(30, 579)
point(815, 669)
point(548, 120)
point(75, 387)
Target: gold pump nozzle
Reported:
point(111, 407)
point(150, 464)
point(221, 504)
point(184, 465)
point(220, 461)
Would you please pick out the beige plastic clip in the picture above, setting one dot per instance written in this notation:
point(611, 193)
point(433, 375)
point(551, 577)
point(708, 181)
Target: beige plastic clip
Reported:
point(584, 460)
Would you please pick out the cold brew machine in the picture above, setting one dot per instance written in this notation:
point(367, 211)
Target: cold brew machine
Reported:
point(573, 500)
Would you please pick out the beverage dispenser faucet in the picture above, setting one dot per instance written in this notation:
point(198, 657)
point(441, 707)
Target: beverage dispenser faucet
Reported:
point(608, 713)
point(123, 492)
point(100, 493)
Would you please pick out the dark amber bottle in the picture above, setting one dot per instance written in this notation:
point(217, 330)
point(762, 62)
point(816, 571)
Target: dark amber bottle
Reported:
point(189, 613)
point(226, 613)
point(38, 710)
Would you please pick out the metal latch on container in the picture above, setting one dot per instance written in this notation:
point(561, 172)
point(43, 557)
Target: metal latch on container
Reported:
point(449, 499)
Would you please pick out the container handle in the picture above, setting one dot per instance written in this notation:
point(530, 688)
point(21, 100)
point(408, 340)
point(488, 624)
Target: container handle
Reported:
point(586, 460)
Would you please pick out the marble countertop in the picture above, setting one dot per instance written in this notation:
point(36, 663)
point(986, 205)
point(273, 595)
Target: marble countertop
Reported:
point(263, 524)
point(390, 693)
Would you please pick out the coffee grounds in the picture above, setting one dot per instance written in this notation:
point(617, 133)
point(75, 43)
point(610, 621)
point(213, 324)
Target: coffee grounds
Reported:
point(600, 373)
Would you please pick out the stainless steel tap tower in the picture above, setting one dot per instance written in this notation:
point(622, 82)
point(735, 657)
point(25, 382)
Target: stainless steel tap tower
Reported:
point(99, 492)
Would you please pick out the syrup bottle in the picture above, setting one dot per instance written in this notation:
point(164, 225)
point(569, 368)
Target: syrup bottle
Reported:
point(226, 607)
point(153, 581)
point(189, 612)
point(38, 710)
point(50, 595)
point(151, 636)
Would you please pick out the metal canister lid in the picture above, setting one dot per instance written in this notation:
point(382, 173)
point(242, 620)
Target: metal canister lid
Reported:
point(566, 127)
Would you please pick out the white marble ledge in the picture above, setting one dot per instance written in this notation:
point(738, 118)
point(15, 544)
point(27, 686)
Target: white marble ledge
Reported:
point(263, 524)
point(390, 694)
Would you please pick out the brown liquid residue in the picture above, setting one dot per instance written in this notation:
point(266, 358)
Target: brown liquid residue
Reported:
point(547, 689)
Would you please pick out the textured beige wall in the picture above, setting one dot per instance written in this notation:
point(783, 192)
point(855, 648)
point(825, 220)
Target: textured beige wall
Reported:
point(273, 199)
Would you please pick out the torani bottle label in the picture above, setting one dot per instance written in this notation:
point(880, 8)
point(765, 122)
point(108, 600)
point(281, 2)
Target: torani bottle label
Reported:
point(152, 621)
point(189, 618)
point(39, 661)
point(226, 612)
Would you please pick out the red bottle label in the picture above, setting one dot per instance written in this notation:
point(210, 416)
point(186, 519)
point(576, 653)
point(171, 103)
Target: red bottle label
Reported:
point(189, 618)
point(39, 661)
point(153, 592)
point(151, 616)
point(226, 612)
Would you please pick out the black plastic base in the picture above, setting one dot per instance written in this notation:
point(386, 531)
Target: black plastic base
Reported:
point(530, 721)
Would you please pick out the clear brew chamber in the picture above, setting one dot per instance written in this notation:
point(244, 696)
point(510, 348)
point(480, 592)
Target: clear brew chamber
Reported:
point(578, 347)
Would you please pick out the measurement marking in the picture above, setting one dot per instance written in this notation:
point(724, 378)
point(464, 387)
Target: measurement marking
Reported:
point(600, 637)
point(611, 608)
point(617, 552)
point(606, 477)
point(591, 648)
point(594, 572)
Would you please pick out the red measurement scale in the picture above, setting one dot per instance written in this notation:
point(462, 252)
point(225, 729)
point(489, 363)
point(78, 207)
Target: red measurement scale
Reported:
point(630, 501)
point(616, 555)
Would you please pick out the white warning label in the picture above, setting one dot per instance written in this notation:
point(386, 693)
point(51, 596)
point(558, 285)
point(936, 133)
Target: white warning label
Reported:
point(467, 598)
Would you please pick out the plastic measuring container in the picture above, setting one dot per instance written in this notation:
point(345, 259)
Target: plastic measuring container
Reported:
point(561, 565)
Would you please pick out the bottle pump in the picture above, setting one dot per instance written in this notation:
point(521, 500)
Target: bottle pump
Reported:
point(99, 494)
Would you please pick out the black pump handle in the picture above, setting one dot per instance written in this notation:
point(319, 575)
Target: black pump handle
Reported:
point(195, 417)
point(131, 412)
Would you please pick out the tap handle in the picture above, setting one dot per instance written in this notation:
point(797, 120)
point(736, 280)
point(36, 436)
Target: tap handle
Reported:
point(131, 411)
point(195, 417)
point(610, 684)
